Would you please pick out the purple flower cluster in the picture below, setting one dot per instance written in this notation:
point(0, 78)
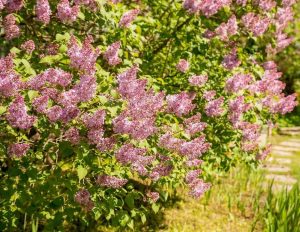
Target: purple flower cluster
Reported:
point(95, 123)
point(112, 54)
point(67, 13)
point(267, 5)
point(11, 5)
point(231, 60)
point(256, 24)
point(191, 149)
point(28, 46)
point(183, 65)
point(128, 17)
point(138, 120)
point(264, 153)
point(9, 80)
point(180, 104)
point(192, 6)
point(214, 107)
point(18, 116)
point(43, 11)
point(83, 57)
point(111, 181)
point(11, 29)
point(238, 82)
point(72, 135)
point(198, 80)
point(237, 107)
point(225, 30)
point(197, 186)
point(193, 162)
point(193, 124)
point(160, 170)
point(211, 7)
point(18, 149)
point(209, 95)
point(130, 155)
point(51, 78)
point(83, 197)
point(153, 196)
point(40, 104)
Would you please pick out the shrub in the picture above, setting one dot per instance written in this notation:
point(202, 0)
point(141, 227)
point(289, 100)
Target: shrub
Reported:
point(105, 104)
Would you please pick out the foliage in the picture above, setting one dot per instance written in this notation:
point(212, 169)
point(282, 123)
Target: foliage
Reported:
point(282, 212)
point(106, 104)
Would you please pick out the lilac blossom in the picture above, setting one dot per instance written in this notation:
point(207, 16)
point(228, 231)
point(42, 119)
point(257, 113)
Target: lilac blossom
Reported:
point(192, 6)
point(128, 17)
point(11, 30)
point(43, 11)
point(66, 13)
point(194, 148)
point(111, 181)
point(40, 104)
point(9, 80)
point(139, 129)
point(193, 175)
point(112, 54)
point(160, 170)
point(267, 5)
point(18, 116)
point(231, 60)
point(225, 30)
point(256, 24)
point(236, 108)
point(69, 113)
point(209, 95)
point(169, 142)
point(264, 153)
point(154, 196)
point(83, 57)
point(193, 124)
point(198, 80)
point(54, 113)
point(238, 82)
point(193, 162)
point(211, 7)
point(14, 5)
point(72, 135)
point(180, 104)
point(94, 121)
point(83, 197)
point(18, 149)
point(214, 108)
point(81, 92)
point(183, 65)
point(28, 46)
point(250, 131)
point(198, 188)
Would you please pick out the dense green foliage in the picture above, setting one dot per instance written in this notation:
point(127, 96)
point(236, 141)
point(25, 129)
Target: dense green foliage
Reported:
point(41, 185)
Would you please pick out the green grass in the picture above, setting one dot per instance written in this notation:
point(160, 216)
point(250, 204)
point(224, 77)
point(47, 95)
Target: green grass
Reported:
point(231, 205)
point(282, 211)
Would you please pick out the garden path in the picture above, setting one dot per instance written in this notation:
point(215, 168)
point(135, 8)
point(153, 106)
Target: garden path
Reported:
point(282, 164)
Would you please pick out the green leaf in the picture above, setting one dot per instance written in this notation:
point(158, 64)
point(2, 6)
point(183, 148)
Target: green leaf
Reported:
point(143, 218)
point(81, 172)
point(50, 59)
point(2, 109)
point(129, 200)
point(155, 208)
point(61, 37)
point(27, 67)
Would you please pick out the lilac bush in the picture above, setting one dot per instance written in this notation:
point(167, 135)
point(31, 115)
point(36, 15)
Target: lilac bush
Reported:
point(107, 105)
